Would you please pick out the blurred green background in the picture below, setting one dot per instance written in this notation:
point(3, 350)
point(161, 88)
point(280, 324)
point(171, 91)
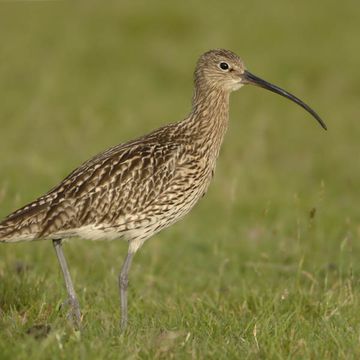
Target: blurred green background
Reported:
point(267, 266)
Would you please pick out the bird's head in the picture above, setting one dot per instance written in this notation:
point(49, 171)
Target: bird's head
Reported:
point(223, 70)
point(219, 69)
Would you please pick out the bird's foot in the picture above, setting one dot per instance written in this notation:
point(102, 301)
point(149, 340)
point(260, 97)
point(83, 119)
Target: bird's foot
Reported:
point(73, 312)
point(123, 324)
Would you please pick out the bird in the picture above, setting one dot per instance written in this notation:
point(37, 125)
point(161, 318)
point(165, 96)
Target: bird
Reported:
point(135, 189)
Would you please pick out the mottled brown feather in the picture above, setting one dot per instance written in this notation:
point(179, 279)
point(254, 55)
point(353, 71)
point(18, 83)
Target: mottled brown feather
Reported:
point(137, 188)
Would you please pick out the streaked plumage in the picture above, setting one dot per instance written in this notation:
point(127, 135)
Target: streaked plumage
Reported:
point(132, 190)
point(136, 189)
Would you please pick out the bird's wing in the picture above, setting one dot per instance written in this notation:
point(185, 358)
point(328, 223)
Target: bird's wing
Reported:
point(121, 180)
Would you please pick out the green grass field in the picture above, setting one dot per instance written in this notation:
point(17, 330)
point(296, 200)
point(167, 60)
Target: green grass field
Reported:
point(267, 265)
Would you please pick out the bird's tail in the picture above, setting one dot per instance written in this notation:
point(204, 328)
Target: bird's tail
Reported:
point(4, 234)
point(20, 225)
point(10, 234)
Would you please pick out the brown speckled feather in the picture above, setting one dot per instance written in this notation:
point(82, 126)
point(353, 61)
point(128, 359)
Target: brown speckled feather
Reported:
point(132, 190)
point(135, 189)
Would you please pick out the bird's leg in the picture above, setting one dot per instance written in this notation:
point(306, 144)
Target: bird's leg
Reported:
point(123, 285)
point(74, 312)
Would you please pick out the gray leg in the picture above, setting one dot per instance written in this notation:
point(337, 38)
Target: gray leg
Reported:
point(74, 313)
point(123, 285)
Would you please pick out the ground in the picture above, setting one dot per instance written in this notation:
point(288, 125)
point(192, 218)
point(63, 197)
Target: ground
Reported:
point(267, 266)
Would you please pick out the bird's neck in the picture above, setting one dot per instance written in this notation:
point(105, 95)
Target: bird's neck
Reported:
point(209, 119)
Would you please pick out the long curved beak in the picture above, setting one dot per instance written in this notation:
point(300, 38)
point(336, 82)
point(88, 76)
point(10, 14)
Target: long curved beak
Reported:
point(249, 78)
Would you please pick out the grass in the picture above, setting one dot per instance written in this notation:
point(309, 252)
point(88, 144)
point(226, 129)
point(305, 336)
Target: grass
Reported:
point(267, 266)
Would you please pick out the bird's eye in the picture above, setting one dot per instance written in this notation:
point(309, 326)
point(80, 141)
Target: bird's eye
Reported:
point(224, 66)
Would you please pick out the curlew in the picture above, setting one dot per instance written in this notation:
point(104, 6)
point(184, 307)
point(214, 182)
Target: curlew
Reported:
point(135, 189)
